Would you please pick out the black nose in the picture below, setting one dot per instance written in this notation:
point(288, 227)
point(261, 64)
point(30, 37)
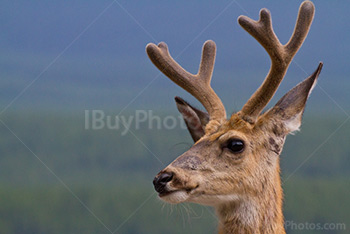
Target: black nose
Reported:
point(161, 180)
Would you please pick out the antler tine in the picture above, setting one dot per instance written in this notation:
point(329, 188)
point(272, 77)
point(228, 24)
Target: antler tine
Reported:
point(198, 85)
point(206, 66)
point(305, 17)
point(281, 55)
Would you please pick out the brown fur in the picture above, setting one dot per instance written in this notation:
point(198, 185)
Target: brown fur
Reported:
point(252, 176)
point(243, 185)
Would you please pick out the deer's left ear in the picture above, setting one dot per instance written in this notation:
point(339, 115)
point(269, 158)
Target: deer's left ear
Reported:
point(289, 109)
point(195, 119)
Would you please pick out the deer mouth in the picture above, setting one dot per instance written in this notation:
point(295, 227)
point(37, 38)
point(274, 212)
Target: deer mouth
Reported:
point(169, 192)
point(176, 196)
point(166, 193)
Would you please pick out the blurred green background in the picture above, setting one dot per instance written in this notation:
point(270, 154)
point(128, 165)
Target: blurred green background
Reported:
point(61, 60)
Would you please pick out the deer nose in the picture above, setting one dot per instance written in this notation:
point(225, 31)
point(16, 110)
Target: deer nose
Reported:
point(161, 180)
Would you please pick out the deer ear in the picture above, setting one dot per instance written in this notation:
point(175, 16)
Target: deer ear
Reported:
point(195, 119)
point(289, 109)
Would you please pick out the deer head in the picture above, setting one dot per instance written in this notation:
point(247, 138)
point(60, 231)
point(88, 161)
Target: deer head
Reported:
point(234, 163)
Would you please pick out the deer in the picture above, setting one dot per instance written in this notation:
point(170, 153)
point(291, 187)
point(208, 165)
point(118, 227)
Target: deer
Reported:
point(234, 163)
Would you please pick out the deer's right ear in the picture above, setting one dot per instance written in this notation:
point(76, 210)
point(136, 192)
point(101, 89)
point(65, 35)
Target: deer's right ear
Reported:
point(289, 109)
point(195, 119)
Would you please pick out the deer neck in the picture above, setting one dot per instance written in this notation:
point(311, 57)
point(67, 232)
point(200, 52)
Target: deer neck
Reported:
point(259, 215)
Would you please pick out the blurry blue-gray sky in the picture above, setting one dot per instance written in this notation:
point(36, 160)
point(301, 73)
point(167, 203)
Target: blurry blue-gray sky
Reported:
point(91, 54)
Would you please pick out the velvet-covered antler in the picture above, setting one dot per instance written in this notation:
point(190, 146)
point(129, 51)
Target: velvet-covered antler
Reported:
point(198, 85)
point(281, 55)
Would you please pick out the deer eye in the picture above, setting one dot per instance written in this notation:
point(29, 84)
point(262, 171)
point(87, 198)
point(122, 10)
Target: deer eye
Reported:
point(235, 145)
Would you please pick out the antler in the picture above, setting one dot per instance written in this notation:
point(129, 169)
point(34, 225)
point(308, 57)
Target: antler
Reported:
point(198, 85)
point(281, 55)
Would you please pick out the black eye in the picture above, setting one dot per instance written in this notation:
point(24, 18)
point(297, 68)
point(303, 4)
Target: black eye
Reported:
point(235, 145)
